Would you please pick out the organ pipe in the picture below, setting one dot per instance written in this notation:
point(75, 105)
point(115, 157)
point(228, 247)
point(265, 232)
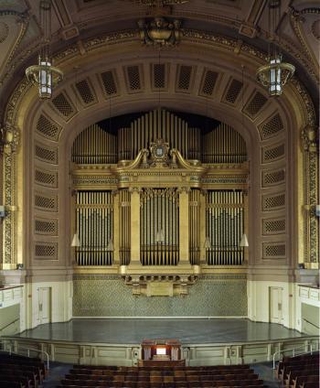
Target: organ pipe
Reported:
point(224, 145)
point(94, 220)
point(159, 124)
point(224, 213)
point(124, 227)
point(159, 212)
point(224, 226)
point(194, 227)
point(94, 146)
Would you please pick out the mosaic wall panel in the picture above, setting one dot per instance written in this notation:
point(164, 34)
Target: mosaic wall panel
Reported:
point(103, 296)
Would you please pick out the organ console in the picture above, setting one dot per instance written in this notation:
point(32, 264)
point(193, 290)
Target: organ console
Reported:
point(164, 351)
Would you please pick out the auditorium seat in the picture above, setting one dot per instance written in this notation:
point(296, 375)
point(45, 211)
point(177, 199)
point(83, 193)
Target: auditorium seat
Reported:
point(21, 370)
point(310, 385)
point(303, 380)
point(163, 377)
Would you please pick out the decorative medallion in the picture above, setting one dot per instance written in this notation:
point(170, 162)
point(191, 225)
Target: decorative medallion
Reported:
point(159, 151)
point(160, 31)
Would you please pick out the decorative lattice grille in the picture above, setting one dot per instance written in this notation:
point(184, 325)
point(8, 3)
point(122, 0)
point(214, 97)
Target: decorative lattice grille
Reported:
point(109, 83)
point(46, 227)
point(255, 104)
point(184, 77)
point(159, 76)
point(272, 178)
point(48, 128)
point(46, 178)
point(86, 92)
point(134, 78)
point(274, 226)
point(273, 153)
point(209, 82)
point(63, 106)
point(46, 154)
point(45, 251)
point(46, 203)
point(277, 250)
point(272, 127)
point(275, 201)
point(233, 91)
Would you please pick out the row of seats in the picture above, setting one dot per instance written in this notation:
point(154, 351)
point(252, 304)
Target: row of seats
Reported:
point(161, 377)
point(300, 371)
point(20, 372)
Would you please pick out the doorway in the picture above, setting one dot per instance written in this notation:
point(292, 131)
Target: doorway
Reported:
point(44, 300)
point(275, 304)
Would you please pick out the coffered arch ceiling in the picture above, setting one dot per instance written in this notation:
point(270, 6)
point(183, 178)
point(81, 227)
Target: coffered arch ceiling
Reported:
point(98, 47)
point(109, 72)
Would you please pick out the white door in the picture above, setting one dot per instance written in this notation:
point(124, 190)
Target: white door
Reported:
point(44, 298)
point(275, 307)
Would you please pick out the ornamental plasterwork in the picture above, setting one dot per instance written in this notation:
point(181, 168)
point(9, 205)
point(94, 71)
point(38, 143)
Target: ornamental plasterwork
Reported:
point(297, 19)
point(12, 110)
point(10, 137)
point(311, 180)
point(309, 139)
point(23, 20)
point(160, 31)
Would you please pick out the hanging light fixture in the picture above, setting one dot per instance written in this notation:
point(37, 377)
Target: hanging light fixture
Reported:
point(276, 73)
point(44, 75)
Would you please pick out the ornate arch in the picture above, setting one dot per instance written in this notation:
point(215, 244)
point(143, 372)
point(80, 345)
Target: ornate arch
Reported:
point(196, 81)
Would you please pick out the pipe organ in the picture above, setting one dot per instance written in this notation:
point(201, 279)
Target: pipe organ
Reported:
point(159, 124)
point(94, 225)
point(224, 227)
point(159, 225)
point(165, 202)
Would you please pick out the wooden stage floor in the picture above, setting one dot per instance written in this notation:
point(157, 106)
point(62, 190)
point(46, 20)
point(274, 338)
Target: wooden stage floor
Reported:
point(186, 330)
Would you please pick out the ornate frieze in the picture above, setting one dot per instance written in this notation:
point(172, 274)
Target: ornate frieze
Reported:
point(160, 281)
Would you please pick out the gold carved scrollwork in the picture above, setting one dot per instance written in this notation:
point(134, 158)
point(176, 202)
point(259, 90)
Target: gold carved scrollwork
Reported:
point(160, 31)
point(10, 138)
point(309, 138)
